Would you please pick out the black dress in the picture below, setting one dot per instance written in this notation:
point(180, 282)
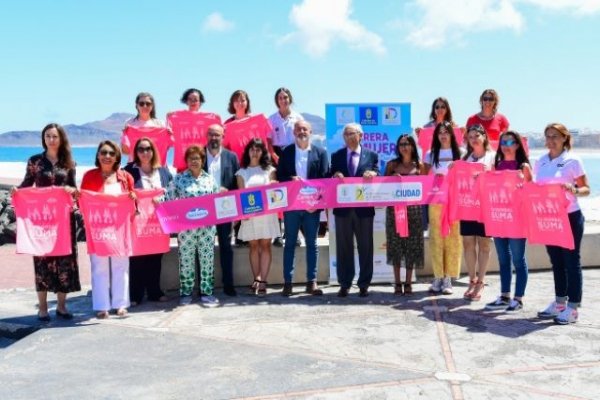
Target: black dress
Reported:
point(53, 274)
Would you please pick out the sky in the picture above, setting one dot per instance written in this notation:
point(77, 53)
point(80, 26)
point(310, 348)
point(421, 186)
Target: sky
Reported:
point(80, 61)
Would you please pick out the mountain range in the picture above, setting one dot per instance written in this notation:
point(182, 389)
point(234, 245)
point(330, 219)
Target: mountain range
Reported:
point(91, 133)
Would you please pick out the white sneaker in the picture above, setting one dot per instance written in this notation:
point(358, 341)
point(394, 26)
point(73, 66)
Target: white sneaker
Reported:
point(567, 316)
point(436, 285)
point(515, 305)
point(209, 301)
point(552, 310)
point(185, 300)
point(499, 304)
point(447, 285)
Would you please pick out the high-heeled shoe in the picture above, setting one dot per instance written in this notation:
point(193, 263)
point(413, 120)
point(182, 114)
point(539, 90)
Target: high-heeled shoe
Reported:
point(262, 289)
point(469, 292)
point(254, 287)
point(476, 294)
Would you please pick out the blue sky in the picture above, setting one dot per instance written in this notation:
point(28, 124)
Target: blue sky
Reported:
point(79, 61)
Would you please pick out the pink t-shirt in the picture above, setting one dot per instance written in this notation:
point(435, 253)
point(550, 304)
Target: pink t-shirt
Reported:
point(159, 136)
point(147, 236)
point(43, 221)
point(493, 127)
point(239, 132)
point(189, 128)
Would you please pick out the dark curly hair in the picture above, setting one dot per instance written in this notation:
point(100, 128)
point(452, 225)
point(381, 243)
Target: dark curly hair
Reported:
point(265, 158)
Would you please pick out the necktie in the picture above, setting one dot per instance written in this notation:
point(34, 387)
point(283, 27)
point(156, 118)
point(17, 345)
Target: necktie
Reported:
point(352, 163)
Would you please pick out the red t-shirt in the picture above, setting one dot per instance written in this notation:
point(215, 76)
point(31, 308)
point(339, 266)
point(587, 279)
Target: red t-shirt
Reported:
point(494, 127)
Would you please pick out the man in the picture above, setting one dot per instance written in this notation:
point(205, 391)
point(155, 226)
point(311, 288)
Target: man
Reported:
point(300, 161)
point(354, 161)
point(222, 164)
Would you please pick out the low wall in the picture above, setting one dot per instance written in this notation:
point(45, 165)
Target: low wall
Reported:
point(537, 259)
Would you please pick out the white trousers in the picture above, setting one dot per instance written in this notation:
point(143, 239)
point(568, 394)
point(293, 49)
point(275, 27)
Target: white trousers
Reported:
point(110, 282)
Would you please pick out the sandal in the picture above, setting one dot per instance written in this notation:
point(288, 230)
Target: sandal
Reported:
point(408, 289)
point(262, 289)
point(102, 314)
point(122, 312)
point(254, 287)
point(470, 289)
point(476, 294)
point(398, 289)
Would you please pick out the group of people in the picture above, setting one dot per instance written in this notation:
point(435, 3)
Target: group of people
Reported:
point(286, 153)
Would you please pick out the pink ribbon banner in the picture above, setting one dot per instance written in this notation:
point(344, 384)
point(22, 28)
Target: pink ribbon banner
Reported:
point(198, 212)
point(43, 221)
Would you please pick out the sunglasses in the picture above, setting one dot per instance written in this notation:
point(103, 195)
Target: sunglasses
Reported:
point(144, 149)
point(109, 153)
point(486, 98)
point(145, 104)
point(507, 142)
point(443, 107)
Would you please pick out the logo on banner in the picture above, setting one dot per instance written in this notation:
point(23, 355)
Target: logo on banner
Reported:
point(277, 198)
point(391, 116)
point(344, 115)
point(251, 202)
point(226, 207)
point(196, 213)
point(368, 115)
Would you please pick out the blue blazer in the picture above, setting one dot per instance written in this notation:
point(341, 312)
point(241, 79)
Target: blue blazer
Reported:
point(317, 167)
point(229, 166)
point(368, 161)
point(165, 175)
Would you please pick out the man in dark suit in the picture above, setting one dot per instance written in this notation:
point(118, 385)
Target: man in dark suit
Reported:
point(222, 164)
point(354, 160)
point(299, 161)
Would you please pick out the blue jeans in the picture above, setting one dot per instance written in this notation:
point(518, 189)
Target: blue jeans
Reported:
point(292, 221)
point(514, 249)
point(566, 264)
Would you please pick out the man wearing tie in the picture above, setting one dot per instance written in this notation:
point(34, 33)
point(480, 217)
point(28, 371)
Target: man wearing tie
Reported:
point(300, 161)
point(354, 161)
point(222, 164)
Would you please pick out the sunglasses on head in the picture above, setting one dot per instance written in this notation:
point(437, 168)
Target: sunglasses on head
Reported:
point(110, 153)
point(143, 149)
point(507, 142)
point(487, 98)
point(144, 103)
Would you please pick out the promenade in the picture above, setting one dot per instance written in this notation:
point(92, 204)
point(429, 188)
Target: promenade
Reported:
point(303, 347)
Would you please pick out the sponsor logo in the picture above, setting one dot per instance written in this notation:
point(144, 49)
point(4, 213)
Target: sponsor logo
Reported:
point(368, 115)
point(196, 213)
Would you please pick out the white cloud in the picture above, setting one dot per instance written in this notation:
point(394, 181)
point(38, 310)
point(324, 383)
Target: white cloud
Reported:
point(446, 21)
point(321, 23)
point(450, 21)
point(216, 23)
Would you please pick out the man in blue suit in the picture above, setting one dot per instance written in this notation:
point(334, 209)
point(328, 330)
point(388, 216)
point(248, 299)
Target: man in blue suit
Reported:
point(354, 160)
point(299, 161)
point(222, 164)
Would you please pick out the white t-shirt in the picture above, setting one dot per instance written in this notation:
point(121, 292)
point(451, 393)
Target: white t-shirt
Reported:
point(302, 162)
point(445, 159)
point(283, 128)
point(487, 160)
point(565, 168)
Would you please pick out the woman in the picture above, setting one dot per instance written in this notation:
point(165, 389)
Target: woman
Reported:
point(199, 242)
point(145, 118)
point(445, 251)
point(282, 133)
point(259, 231)
point(560, 165)
point(110, 274)
point(54, 167)
point(511, 156)
point(194, 99)
point(144, 271)
point(440, 112)
point(476, 244)
point(405, 250)
point(282, 122)
point(489, 117)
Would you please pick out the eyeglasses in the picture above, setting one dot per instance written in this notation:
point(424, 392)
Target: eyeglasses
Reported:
point(144, 149)
point(487, 98)
point(109, 153)
point(507, 142)
point(443, 107)
point(144, 103)
point(350, 133)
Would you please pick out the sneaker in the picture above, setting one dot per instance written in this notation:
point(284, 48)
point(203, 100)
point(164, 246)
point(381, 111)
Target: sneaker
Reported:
point(209, 301)
point(515, 305)
point(185, 300)
point(447, 285)
point(552, 310)
point(436, 285)
point(278, 242)
point(500, 303)
point(567, 316)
